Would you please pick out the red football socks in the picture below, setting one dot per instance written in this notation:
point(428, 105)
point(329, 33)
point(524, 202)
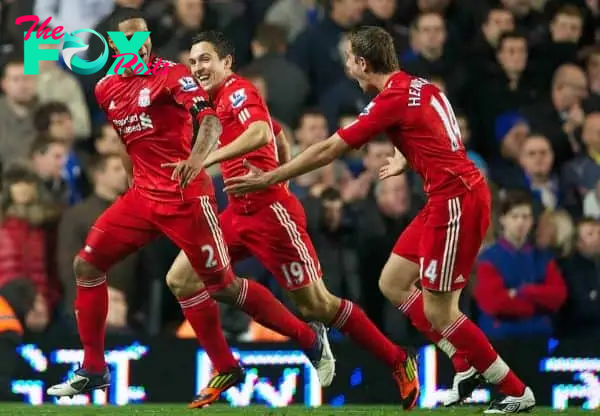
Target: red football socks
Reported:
point(264, 308)
point(202, 313)
point(91, 308)
point(413, 309)
point(466, 336)
point(353, 322)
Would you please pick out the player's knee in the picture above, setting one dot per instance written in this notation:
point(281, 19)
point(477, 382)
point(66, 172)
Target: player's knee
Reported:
point(397, 280)
point(182, 283)
point(438, 314)
point(321, 306)
point(85, 270)
point(228, 294)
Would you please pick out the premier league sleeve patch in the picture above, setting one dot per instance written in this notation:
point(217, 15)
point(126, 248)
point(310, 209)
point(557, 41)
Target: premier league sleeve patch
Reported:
point(238, 98)
point(188, 84)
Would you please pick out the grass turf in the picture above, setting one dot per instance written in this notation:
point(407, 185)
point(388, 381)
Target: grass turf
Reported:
point(219, 410)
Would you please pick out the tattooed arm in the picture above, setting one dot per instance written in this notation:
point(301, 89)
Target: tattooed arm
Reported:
point(207, 137)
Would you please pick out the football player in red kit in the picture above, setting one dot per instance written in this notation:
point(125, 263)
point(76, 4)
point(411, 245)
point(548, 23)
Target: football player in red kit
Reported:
point(153, 114)
point(270, 224)
point(442, 242)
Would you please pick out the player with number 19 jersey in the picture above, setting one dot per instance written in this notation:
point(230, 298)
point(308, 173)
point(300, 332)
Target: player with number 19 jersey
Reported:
point(269, 224)
point(419, 120)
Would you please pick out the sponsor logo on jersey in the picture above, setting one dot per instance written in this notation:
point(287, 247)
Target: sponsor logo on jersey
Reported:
point(238, 98)
point(188, 84)
point(144, 98)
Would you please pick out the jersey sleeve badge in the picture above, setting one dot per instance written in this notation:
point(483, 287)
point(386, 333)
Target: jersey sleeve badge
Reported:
point(188, 84)
point(238, 98)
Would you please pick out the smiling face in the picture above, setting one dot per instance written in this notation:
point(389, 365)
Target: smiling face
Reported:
point(209, 69)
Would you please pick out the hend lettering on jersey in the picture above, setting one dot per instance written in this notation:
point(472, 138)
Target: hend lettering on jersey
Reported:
point(414, 91)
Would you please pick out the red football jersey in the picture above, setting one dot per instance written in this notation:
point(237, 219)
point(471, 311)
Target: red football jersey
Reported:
point(153, 116)
point(419, 120)
point(238, 104)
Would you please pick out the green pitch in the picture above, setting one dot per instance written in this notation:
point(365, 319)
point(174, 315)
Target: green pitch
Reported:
point(177, 410)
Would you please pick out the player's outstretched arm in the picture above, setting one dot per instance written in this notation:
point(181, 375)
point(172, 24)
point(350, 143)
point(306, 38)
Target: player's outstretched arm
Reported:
point(284, 150)
point(256, 135)
point(312, 158)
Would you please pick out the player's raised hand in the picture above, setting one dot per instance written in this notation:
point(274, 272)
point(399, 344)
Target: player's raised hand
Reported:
point(395, 165)
point(255, 179)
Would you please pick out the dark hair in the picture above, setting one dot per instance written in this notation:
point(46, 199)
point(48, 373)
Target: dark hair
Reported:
point(43, 115)
point(514, 34)
point(497, 8)
point(331, 194)
point(311, 111)
point(223, 46)
point(41, 145)
point(587, 220)
point(14, 59)
point(375, 46)
point(98, 132)
point(124, 14)
point(515, 198)
point(271, 37)
point(568, 10)
point(18, 172)
point(420, 16)
point(98, 162)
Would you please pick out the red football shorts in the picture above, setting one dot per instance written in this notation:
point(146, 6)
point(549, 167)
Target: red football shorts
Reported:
point(445, 238)
point(276, 235)
point(133, 220)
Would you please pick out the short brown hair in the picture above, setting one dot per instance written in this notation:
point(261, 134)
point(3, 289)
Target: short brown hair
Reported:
point(569, 10)
point(98, 163)
point(375, 46)
point(515, 198)
point(42, 143)
point(271, 37)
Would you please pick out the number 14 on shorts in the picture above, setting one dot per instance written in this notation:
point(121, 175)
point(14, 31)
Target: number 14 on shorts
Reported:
point(429, 272)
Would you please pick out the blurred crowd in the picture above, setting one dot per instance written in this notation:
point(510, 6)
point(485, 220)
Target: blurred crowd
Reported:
point(523, 77)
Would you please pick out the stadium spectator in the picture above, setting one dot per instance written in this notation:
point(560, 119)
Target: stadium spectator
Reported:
point(384, 13)
point(294, 15)
point(554, 232)
point(333, 235)
point(379, 222)
point(591, 203)
point(73, 15)
point(177, 23)
point(54, 121)
point(527, 20)
point(465, 134)
point(16, 111)
point(110, 181)
point(345, 96)
point(315, 51)
point(581, 311)
point(511, 130)
point(535, 176)
point(433, 58)
point(559, 118)
point(312, 128)
point(593, 74)
point(24, 218)
point(581, 175)
point(505, 87)
point(287, 84)
point(48, 158)
point(518, 287)
point(107, 140)
point(498, 21)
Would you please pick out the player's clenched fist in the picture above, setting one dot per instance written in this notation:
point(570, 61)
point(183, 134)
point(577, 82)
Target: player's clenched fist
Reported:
point(184, 170)
point(395, 165)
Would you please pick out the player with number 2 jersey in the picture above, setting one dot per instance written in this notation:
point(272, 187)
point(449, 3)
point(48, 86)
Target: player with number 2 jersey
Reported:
point(440, 245)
